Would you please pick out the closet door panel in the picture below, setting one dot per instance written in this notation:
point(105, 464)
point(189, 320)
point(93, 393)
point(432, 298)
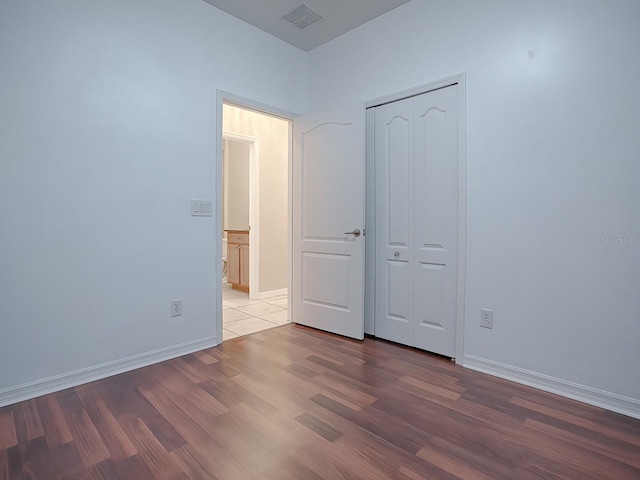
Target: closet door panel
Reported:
point(394, 151)
point(398, 315)
point(398, 188)
point(430, 292)
point(436, 220)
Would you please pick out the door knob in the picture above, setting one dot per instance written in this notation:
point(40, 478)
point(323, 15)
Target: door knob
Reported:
point(355, 233)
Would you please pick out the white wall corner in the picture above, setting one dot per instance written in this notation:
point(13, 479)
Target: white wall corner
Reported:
point(600, 398)
point(56, 383)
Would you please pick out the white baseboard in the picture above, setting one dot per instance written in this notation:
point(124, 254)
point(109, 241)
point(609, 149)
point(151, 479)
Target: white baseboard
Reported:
point(56, 383)
point(273, 293)
point(582, 393)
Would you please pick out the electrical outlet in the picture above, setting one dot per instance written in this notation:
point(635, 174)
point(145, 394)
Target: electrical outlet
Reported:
point(486, 318)
point(176, 308)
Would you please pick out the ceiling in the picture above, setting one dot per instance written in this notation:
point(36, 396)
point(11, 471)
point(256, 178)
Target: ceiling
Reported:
point(340, 16)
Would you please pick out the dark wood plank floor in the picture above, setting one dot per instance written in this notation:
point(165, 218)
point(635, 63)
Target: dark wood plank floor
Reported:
point(294, 403)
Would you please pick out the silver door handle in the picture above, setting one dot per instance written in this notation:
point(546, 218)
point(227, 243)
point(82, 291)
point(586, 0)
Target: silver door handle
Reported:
point(355, 233)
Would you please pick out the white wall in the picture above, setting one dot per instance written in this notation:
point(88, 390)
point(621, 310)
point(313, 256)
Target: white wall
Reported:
point(553, 118)
point(107, 132)
point(273, 159)
point(236, 189)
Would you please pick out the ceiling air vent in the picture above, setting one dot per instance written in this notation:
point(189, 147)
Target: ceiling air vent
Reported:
point(302, 16)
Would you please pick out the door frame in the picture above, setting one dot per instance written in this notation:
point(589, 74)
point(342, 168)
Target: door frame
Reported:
point(461, 81)
point(254, 208)
point(223, 97)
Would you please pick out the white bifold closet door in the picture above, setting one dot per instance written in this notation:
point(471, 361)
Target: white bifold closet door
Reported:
point(416, 169)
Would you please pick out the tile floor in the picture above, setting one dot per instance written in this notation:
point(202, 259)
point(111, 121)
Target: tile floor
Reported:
point(241, 316)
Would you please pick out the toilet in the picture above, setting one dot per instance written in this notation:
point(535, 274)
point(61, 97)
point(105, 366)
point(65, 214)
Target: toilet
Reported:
point(224, 260)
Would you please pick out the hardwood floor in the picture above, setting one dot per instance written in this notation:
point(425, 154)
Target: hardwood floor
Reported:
point(295, 403)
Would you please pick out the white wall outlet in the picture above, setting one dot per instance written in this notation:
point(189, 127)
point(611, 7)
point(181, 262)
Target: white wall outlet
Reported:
point(176, 308)
point(486, 318)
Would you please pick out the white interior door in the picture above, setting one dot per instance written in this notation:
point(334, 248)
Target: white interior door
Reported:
point(436, 220)
point(416, 157)
point(394, 152)
point(328, 221)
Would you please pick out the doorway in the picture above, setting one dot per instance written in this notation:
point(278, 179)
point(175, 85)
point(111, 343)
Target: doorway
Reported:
point(254, 212)
point(240, 213)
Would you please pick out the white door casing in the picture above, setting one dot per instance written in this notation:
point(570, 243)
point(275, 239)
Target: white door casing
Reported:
point(417, 181)
point(328, 202)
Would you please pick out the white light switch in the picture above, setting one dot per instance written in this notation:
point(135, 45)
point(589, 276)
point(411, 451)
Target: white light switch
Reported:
point(201, 208)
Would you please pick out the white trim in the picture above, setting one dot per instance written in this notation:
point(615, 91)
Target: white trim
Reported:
point(370, 228)
point(600, 398)
point(254, 208)
point(273, 293)
point(419, 90)
point(290, 223)
point(56, 383)
point(238, 137)
point(248, 104)
point(254, 220)
point(218, 227)
point(225, 188)
point(462, 214)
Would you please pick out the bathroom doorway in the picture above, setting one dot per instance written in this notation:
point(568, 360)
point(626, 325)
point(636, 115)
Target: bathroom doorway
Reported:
point(255, 227)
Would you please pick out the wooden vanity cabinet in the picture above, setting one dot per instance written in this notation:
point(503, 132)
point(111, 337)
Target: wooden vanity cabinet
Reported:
point(238, 259)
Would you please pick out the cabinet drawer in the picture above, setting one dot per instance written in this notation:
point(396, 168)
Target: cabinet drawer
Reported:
point(238, 238)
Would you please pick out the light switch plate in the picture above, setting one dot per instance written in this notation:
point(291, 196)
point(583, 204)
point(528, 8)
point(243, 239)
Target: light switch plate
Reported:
point(201, 208)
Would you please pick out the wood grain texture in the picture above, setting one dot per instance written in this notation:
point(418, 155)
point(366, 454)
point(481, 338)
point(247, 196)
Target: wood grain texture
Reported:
point(56, 429)
point(28, 424)
point(295, 403)
point(8, 435)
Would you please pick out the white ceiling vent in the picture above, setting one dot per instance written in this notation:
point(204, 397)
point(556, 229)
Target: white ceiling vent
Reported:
point(302, 16)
